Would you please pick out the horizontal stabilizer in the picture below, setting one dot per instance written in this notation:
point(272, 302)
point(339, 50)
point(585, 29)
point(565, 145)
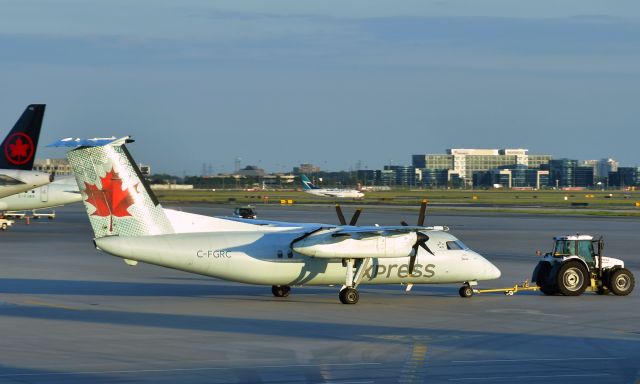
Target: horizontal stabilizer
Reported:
point(71, 142)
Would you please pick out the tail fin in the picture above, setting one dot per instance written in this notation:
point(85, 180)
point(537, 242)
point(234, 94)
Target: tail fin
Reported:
point(117, 198)
point(19, 147)
point(306, 183)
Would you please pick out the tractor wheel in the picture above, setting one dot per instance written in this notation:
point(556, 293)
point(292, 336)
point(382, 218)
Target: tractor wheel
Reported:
point(542, 278)
point(572, 278)
point(621, 282)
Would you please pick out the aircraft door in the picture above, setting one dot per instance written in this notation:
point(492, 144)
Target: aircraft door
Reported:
point(44, 193)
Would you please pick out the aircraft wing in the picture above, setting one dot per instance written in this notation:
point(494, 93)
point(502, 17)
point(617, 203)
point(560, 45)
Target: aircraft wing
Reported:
point(272, 223)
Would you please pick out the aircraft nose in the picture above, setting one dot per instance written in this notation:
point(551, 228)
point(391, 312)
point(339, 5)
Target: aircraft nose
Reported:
point(492, 271)
point(489, 270)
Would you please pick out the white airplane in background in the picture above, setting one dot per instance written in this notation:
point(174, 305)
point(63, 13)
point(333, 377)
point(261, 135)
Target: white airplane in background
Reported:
point(308, 187)
point(64, 190)
point(129, 222)
point(18, 151)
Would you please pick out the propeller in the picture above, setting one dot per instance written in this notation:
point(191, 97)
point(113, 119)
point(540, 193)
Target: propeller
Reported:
point(422, 239)
point(343, 221)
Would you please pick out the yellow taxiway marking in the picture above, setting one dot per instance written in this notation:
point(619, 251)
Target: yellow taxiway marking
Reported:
point(413, 370)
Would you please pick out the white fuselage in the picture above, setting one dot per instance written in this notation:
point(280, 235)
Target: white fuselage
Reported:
point(339, 193)
point(266, 257)
point(17, 181)
point(60, 192)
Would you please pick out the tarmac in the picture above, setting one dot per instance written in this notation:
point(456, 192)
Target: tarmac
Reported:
point(70, 314)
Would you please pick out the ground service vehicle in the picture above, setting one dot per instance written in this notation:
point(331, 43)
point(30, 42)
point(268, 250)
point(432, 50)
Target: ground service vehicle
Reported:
point(5, 223)
point(577, 263)
point(247, 212)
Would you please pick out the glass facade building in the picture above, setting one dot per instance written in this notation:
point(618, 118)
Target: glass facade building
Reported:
point(466, 162)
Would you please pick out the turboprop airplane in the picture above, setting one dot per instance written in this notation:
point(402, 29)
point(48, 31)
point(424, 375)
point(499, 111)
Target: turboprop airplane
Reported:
point(129, 222)
point(64, 190)
point(18, 152)
point(308, 187)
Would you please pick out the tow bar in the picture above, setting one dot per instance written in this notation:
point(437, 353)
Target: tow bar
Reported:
point(509, 291)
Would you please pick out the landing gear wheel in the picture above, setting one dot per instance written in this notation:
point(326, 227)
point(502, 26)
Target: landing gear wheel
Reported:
point(621, 282)
point(465, 291)
point(280, 290)
point(572, 278)
point(3, 226)
point(349, 296)
point(542, 279)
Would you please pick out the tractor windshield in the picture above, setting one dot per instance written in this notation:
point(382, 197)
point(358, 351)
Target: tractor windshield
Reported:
point(564, 248)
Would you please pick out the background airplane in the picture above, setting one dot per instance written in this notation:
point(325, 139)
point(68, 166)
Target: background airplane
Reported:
point(128, 222)
point(64, 190)
point(18, 150)
point(308, 187)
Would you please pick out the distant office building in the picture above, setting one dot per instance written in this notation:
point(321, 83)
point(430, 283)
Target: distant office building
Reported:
point(59, 167)
point(565, 173)
point(306, 168)
point(517, 176)
point(366, 176)
point(602, 167)
point(465, 162)
point(440, 178)
point(625, 177)
point(386, 177)
point(404, 175)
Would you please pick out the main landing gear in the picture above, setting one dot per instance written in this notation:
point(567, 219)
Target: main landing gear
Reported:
point(349, 293)
point(280, 290)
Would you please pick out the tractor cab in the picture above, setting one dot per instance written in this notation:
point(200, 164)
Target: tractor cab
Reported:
point(584, 247)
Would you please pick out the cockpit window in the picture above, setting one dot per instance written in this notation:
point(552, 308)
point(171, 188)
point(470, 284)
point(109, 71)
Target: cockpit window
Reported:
point(456, 245)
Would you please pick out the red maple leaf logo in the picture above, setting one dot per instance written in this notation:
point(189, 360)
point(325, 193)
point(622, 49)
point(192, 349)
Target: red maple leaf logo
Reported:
point(111, 200)
point(19, 148)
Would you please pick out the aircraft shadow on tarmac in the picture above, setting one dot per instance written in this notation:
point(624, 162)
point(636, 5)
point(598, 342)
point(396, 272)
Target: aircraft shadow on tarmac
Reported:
point(213, 289)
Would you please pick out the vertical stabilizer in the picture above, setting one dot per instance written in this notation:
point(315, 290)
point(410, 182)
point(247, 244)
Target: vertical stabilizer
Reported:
point(306, 183)
point(19, 146)
point(117, 198)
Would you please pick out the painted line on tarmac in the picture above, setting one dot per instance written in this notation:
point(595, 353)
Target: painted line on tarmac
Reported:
point(529, 377)
point(170, 370)
point(533, 360)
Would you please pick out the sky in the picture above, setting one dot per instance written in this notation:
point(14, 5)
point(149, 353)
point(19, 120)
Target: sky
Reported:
point(333, 83)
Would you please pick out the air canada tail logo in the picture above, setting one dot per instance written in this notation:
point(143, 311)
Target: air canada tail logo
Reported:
point(111, 200)
point(19, 148)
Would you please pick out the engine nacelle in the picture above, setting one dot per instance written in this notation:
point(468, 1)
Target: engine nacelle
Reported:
point(327, 245)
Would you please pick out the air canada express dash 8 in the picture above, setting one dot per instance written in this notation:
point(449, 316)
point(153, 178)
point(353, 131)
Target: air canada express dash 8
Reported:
point(129, 222)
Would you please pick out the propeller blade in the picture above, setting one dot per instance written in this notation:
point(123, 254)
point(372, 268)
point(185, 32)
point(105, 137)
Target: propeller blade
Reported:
point(341, 218)
point(423, 245)
point(356, 215)
point(412, 262)
point(421, 241)
point(423, 211)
